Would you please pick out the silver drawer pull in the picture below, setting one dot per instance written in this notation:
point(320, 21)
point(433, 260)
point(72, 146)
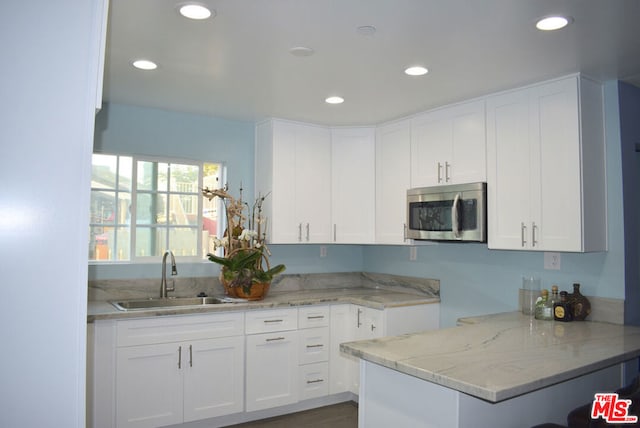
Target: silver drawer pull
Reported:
point(315, 317)
point(273, 339)
point(179, 357)
point(315, 381)
point(271, 321)
point(315, 346)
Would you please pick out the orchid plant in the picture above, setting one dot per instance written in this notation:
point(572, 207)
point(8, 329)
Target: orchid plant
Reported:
point(244, 242)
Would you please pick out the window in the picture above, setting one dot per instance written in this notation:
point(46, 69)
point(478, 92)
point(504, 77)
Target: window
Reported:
point(141, 207)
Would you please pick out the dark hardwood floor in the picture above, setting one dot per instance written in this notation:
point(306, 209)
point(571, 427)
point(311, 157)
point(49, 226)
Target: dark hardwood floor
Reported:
point(343, 415)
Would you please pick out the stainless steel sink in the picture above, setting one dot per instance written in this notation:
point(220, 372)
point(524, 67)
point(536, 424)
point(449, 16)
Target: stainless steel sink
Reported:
point(128, 305)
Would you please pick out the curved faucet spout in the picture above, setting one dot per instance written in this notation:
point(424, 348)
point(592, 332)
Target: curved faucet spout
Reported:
point(174, 271)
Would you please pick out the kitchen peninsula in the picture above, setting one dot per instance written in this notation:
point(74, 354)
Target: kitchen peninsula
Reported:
point(506, 370)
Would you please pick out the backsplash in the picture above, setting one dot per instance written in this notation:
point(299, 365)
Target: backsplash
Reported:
point(109, 289)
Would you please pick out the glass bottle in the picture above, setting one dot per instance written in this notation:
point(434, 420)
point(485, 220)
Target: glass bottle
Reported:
point(562, 310)
point(547, 311)
point(540, 304)
point(580, 304)
point(554, 297)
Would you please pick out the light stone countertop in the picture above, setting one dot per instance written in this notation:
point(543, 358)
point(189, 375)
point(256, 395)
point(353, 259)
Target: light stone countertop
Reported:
point(504, 355)
point(370, 297)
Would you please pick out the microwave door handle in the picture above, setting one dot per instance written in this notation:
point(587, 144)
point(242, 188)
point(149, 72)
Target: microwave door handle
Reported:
point(454, 216)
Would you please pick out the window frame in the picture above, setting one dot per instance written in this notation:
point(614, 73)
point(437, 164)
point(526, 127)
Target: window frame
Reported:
point(134, 193)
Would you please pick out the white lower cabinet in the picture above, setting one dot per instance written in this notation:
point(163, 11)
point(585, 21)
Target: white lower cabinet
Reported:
point(153, 372)
point(354, 322)
point(172, 383)
point(313, 351)
point(160, 380)
point(272, 359)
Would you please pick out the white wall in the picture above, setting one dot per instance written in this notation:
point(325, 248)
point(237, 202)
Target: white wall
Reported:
point(47, 93)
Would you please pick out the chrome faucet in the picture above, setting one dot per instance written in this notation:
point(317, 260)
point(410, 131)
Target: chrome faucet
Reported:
point(174, 271)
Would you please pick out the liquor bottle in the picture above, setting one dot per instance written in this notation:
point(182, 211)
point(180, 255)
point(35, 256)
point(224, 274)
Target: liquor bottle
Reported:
point(554, 297)
point(562, 311)
point(542, 312)
point(581, 305)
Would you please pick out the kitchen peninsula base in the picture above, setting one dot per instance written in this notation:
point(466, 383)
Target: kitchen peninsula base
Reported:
point(390, 398)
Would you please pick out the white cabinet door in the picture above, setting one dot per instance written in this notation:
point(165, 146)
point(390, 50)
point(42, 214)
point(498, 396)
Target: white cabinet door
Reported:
point(393, 179)
point(431, 155)
point(293, 164)
point(214, 378)
point(342, 367)
point(556, 166)
point(353, 185)
point(448, 145)
point(313, 183)
point(508, 172)
point(149, 389)
point(271, 370)
point(545, 165)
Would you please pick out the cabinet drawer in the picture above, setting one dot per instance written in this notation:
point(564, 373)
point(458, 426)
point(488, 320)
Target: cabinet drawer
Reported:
point(147, 331)
point(313, 345)
point(314, 380)
point(271, 320)
point(313, 316)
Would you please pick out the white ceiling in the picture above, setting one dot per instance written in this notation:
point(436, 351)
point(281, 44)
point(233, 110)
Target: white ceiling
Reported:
point(237, 65)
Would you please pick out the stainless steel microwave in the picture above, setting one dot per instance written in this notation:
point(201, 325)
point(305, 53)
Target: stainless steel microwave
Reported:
point(455, 212)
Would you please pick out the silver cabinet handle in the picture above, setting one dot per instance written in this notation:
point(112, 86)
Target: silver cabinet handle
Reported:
point(334, 232)
point(179, 357)
point(273, 339)
point(307, 232)
point(373, 327)
point(439, 172)
point(315, 317)
point(315, 346)
point(315, 381)
point(533, 234)
point(271, 321)
point(299, 232)
point(404, 232)
point(190, 356)
point(359, 323)
point(447, 166)
point(523, 230)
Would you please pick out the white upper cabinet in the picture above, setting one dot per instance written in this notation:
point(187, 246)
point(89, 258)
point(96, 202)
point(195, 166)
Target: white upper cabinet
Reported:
point(448, 145)
point(293, 162)
point(352, 189)
point(393, 178)
point(546, 168)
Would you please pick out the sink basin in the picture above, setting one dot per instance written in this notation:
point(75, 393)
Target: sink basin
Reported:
point(128, 305)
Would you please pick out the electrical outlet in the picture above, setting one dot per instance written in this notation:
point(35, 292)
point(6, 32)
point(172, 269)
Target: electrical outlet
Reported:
point(552, 261)
point(413, 253)
point(323, 251)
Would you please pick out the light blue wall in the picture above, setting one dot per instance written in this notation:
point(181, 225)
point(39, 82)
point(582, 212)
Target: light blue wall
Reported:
point(475, 280)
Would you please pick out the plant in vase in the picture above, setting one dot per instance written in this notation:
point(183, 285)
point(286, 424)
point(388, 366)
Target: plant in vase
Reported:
point(245, 271)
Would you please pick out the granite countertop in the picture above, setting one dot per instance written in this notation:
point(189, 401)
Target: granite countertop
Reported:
point(370, 297)
point(501, 356)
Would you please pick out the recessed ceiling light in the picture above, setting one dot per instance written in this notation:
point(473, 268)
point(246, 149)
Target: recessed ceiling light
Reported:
point(416, 71)
point(301, 51)
point(334, 100)
point(144, 64)
point(194, 11)
point(366, 30)
point(550, 23)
